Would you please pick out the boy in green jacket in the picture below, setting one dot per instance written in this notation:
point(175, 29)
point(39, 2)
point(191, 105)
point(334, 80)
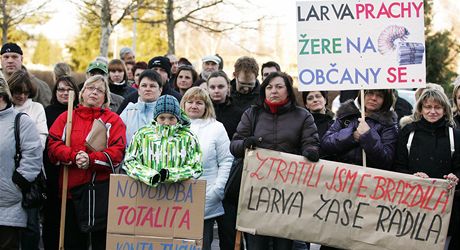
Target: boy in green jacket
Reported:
point(164, 150)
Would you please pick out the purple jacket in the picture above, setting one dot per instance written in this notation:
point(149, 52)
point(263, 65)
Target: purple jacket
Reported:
point(379, 142)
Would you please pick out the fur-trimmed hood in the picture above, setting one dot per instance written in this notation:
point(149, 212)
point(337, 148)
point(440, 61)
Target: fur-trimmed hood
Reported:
point(406, 120)
point(350, 109)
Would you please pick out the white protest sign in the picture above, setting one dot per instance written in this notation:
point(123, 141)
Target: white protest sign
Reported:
point(368, 44)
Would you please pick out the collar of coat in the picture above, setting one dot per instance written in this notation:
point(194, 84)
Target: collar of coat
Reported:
point(349, 109)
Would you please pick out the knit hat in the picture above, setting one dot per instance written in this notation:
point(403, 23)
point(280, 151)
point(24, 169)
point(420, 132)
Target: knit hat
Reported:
point(161, 62)
point(10, 48)
point(167, 104)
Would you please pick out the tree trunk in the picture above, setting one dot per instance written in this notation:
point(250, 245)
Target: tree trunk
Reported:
point(106, 29)
point(4, 23)
point(170, 25)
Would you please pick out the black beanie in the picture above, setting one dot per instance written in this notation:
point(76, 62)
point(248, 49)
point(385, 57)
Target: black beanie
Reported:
point(11, 48)
point(162, 62)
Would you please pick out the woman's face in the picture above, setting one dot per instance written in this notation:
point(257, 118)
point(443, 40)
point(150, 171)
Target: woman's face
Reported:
point(195, 108)
point(373, 101)
point(62, 92)
point(184, 80)
point(137, 73)
point(94, 95)
point(218, 89)
point(19, 98)
point(149, 90)
point(116, 75)
point(457, 98)
point(432, 110)
point(276, 91)
point(315, 102)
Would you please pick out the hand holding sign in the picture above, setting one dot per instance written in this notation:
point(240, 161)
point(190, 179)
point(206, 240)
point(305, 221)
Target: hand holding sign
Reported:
point(453, 180)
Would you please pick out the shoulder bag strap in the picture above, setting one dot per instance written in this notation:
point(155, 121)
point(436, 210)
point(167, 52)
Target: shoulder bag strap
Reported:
point(18, 155)
point(255, 117)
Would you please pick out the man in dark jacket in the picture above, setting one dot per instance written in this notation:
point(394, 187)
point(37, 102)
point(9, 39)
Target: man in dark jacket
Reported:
point(245, 86)
point(162, 66)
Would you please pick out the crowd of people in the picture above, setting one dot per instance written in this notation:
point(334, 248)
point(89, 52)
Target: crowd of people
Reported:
point(166, 122)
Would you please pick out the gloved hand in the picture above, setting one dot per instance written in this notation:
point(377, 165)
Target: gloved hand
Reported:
point(312, 155)
point(251, 142)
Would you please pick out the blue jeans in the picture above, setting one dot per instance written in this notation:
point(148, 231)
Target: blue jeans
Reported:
point(30, 238)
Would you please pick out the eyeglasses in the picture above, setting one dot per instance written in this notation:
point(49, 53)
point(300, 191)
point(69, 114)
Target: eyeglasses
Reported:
point(63, 90)
point(116, 70)
point(98, 90)
point(246, 84)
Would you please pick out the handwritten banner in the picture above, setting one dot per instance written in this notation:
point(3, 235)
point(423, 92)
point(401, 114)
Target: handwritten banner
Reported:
point(341, 205)
point(173, 210)
point(369, 44)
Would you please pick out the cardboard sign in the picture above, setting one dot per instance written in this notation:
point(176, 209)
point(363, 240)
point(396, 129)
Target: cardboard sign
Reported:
point(170, 210)
point(368, 44)
point(118, 241)
point(341, 205)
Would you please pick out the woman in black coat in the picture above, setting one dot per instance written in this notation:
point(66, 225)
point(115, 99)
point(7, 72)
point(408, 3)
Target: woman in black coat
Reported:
point(425, 148)
point(51, 208)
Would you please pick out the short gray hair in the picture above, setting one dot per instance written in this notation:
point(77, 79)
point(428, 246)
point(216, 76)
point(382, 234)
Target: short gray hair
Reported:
point(125, 51)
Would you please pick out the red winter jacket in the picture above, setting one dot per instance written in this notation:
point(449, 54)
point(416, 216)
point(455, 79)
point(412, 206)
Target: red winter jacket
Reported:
point(82, 121)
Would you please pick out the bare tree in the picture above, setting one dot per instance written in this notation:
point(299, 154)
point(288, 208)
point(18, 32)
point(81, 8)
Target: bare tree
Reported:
point(190, 12)
point(110, 13)
point(15, 12)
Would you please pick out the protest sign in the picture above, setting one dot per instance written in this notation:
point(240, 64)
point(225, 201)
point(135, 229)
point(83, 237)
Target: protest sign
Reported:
point(118, 241)
point(341, 205)
point(171, 210)
point(368, 44)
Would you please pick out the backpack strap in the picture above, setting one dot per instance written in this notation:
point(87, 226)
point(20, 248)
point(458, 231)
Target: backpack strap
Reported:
point(452, 142)
point(18, 154)
point(409, 142)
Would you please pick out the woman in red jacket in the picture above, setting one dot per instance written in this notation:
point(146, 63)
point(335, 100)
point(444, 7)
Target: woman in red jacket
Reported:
point(81, 161)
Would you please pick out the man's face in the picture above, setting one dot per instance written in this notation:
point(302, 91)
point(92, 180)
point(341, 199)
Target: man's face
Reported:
point(266, 71)
point(245, 82)
point(129, 57)
point(208, 68)
point(174, 64)
point(163, 74)
point(11, 62)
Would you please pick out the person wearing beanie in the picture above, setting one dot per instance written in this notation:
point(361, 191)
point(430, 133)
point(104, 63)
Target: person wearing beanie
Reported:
point(12, 58)
point(137, 115)
point(168, 138)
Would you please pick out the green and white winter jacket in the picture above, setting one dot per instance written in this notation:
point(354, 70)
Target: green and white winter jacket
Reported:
point(156, 148)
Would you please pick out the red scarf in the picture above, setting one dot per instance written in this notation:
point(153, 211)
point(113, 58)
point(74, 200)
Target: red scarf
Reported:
point(275, 105)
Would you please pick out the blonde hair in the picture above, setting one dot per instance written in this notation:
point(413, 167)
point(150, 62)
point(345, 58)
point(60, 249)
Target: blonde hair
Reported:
point(93, 80)
point(437, 96)
point(201, 94)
